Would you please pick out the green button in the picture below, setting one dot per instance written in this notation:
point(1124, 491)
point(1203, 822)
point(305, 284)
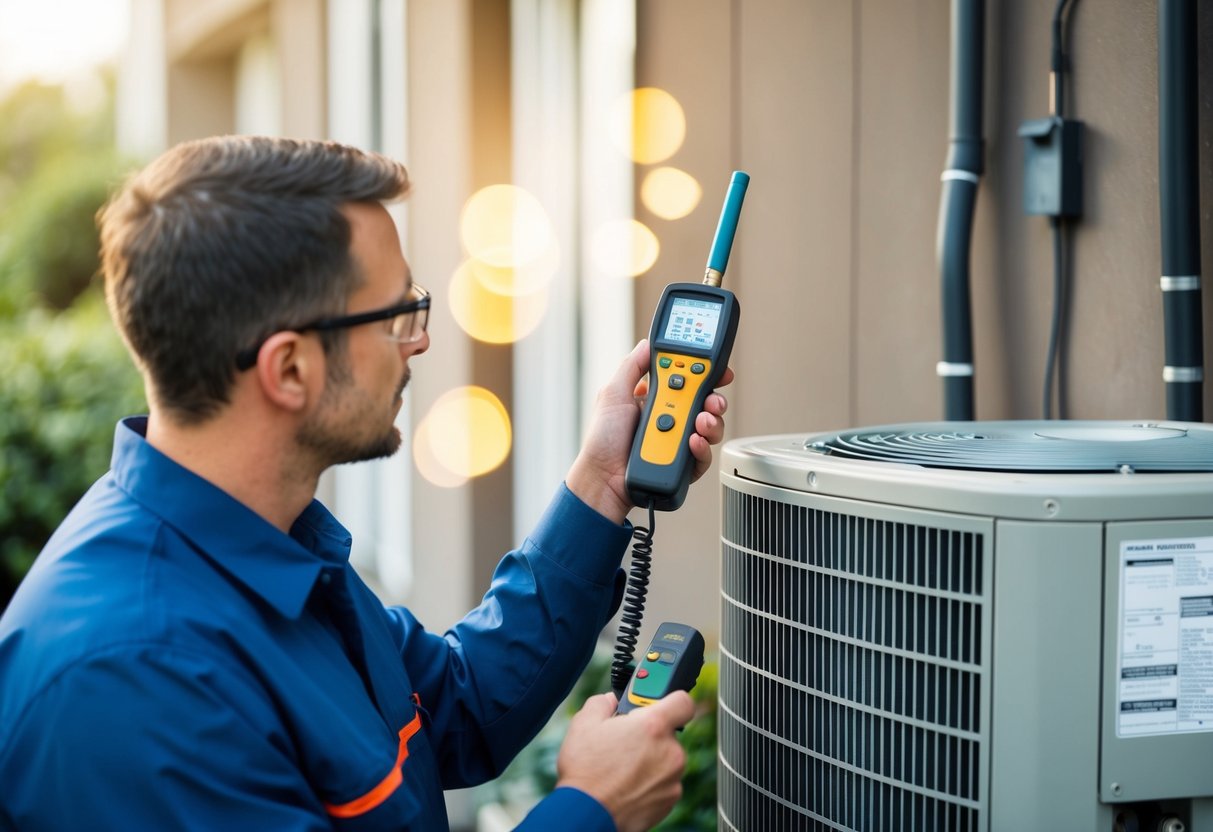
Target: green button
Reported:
point(664, 362)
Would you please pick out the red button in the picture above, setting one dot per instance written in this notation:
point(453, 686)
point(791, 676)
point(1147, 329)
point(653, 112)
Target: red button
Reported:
point(642, 674)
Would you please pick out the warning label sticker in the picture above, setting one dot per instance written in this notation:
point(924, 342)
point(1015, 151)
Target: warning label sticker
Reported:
point(1165, 661)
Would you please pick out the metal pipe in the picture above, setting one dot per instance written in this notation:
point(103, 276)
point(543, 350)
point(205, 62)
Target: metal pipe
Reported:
point(960, 179)
point(1179, 201)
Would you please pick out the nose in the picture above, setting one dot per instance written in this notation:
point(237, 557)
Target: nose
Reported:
point(416, 347)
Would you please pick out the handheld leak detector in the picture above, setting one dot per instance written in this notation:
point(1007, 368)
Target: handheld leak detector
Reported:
point(690, 341)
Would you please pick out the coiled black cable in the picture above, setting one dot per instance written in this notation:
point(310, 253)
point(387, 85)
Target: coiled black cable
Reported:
point(633, 605)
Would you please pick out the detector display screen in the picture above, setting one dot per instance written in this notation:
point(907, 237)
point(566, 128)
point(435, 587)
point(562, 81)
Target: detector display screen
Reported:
point(693, 322)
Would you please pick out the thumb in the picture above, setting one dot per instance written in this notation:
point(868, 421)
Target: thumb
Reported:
point(675, 709)
point(623, 385)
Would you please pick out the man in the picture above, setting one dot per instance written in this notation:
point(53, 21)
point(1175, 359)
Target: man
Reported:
point(192, 649)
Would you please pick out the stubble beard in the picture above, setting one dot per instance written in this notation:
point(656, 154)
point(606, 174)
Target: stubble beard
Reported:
point(332, 437)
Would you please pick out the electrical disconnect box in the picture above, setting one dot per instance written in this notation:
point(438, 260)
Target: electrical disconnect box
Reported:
point(1052, 166)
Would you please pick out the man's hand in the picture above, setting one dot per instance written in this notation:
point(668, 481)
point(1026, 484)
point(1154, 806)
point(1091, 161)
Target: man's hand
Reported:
point(598, 473)
point(632, 765)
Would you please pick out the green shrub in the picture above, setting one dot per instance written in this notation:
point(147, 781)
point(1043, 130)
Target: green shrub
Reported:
point(67, 380)
point(697, 809)
point(48, 248)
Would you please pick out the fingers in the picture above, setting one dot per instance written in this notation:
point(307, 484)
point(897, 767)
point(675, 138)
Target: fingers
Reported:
point(709, 431)
point(710, 426)
point(702, 451)
point(716, 404)
point(709, 423)
point(598, 708)
point(632, 765)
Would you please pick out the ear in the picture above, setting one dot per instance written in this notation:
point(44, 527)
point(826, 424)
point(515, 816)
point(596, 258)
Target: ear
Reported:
point(290, 370)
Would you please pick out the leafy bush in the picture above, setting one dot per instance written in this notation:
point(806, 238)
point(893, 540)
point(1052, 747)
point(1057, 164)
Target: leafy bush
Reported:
point(67, 381)
point(66, 376)
point(697, 809)
point(48, 248)
point(42, 126)
point(532, 774)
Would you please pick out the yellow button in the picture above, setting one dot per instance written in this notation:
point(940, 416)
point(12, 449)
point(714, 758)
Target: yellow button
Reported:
point(653, 656)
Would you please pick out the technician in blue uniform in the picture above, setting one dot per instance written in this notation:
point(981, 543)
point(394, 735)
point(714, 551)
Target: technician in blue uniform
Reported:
point(192, 649)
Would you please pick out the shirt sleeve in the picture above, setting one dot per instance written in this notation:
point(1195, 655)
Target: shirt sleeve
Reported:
point(152, 737)
point(567, 808)
point(495, 678)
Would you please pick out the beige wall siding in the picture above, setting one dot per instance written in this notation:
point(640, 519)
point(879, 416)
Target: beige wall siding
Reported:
point(492, 365)
point(794, 280)
point(201, 98)
point(686, 49)
point(901, 117)
point(440, 154)
point(298, 27)
point(840, 113)
point(203, 42)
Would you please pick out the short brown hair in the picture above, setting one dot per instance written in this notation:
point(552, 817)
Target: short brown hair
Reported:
point(222, 241)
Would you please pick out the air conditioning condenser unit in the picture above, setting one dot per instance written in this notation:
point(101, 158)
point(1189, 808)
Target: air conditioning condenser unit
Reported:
point(968, 626)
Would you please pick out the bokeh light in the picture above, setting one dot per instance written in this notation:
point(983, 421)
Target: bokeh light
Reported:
point(624, 248)
point(518, 280)
point(427, 463)
point(490, 316)
point(465, 434)
point(648, 125)
point(506, 227)
point(670, 193)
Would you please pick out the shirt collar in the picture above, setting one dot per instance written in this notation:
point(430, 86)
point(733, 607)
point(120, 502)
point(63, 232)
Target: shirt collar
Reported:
point(282, 569)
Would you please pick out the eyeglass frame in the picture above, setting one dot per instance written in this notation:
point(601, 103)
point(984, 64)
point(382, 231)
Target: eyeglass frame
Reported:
point(247, 358)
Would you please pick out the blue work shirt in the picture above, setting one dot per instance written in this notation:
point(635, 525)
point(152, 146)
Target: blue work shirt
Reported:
point(174, 661)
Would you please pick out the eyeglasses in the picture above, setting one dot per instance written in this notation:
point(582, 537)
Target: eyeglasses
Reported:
point(407, 323)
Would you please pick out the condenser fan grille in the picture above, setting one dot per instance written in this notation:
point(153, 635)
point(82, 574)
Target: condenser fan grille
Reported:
point(1055, 447)
point(854, 659)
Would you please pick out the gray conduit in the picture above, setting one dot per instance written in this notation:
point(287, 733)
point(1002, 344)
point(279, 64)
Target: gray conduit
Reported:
point(1179, 201)
point(960, 178)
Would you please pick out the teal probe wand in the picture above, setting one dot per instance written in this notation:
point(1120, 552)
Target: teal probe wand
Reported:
point(726, 229)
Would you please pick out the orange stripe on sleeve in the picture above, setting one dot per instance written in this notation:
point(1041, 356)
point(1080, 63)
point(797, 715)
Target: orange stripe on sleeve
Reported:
point(376, 796)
